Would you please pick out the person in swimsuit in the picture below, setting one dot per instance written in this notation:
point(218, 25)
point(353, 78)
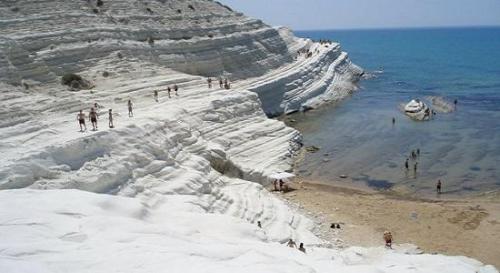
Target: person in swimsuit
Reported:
point(130, 113)
point(438, 187)
point(209, 81)
point(110, 117)
point(93, 118)
point(81, 121)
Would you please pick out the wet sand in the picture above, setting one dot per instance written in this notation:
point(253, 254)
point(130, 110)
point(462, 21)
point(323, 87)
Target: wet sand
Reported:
point(456, 227)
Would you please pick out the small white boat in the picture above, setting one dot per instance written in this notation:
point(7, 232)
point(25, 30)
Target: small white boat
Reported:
point(417, 109)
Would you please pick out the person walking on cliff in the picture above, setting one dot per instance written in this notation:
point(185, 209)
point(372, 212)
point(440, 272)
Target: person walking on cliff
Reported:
point(168, 91)
point(129, 104)
point(81, 121)
point(438, 186)
point(209, 81)
point(156, 95)
point(175, 89)
point(110, 118)
point(93, 118)
point(221, 83)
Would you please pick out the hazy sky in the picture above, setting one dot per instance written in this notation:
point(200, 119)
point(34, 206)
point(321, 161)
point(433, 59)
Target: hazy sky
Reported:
point(335, 14)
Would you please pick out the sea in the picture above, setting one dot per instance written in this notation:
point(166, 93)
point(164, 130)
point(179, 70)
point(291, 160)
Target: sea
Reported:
point(357, 139)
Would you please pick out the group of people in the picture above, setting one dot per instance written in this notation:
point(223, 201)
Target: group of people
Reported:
point(94, 116)
point(291, 243)
point(307, 53)
point(414, 155)
point(280, 185)
point(223, 83)
point(169, 90)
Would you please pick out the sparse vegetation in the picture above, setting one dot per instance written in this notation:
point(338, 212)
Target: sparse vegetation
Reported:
point(76, 82)
point(96, 11)
point(210, 35)
point(179, 11)
point(14, 9)
point(105, 74)
point(191, 7)
point(100, 3)
point(149, 10)
point(120, 56)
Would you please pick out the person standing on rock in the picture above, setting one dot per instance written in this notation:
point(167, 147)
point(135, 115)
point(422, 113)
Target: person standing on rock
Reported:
point(168, 91)
point(110, 118)
point(209, 81)
point(438, 187)
point(130, 112)
point(156, 95)
point(81, 121)
point(93, 118)
point(175, 89)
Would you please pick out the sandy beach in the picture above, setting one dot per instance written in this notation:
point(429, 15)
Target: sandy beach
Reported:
point(456, 227)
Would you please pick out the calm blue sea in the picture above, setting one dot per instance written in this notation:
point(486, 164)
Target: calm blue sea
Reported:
point(357, 137)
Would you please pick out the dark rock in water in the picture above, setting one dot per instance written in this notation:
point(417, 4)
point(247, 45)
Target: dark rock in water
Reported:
point(312, 149)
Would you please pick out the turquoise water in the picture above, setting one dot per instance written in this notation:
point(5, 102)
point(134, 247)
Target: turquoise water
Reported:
point(357, 137)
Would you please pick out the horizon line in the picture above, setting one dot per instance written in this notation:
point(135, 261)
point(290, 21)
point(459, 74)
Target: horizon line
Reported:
point(400, 28)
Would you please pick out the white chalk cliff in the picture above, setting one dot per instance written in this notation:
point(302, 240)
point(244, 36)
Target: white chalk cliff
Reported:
point(179, 187)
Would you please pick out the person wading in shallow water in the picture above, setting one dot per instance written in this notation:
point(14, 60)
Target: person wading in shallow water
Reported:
point(93, 118)
point(438, 187)
point(81, 121)
point(406, 165)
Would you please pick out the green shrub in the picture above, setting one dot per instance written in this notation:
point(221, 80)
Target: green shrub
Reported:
point(69, 78)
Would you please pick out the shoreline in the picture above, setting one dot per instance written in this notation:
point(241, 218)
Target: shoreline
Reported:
point(468, 227)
